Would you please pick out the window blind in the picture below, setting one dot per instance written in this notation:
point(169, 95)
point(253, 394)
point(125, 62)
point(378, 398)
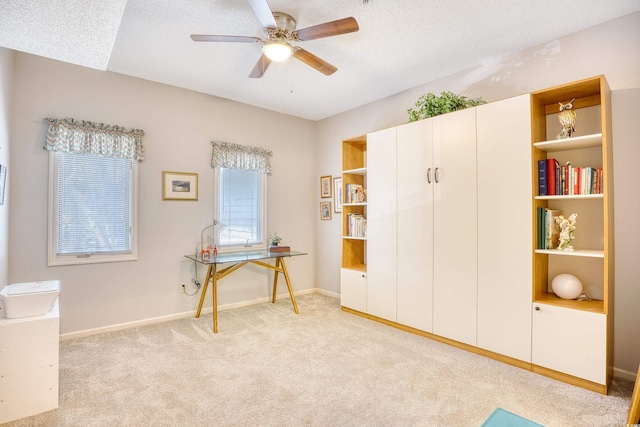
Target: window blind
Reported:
point(94, 204)
point(241, 206)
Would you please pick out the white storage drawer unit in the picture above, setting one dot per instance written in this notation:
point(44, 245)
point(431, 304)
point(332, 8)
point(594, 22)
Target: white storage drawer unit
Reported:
point(29, 354)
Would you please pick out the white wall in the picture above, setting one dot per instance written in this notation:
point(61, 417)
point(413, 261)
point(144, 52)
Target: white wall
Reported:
point(6, 87)
point(179, 126)
point(611, 49)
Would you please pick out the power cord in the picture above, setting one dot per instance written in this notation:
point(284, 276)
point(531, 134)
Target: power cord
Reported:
point(195, 282)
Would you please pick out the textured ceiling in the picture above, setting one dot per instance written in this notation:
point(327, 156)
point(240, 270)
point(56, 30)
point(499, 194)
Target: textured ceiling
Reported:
point(401, 44)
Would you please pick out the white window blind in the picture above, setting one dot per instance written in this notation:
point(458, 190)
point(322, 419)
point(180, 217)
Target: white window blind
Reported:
point(241, 206)
point(93, 204)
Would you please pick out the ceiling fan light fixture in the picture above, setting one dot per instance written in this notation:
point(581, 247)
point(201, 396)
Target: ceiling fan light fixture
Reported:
point(277, 50)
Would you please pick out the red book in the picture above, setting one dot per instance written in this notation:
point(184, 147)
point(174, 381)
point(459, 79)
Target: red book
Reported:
point(551, 176)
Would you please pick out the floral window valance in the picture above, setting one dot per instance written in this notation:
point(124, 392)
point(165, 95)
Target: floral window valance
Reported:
point(236, 156)
point(83, 137)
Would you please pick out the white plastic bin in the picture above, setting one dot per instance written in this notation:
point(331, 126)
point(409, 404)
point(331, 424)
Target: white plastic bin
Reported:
point(28, 299)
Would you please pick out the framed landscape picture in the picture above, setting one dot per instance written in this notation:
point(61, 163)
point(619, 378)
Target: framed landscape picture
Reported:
point(179, 186)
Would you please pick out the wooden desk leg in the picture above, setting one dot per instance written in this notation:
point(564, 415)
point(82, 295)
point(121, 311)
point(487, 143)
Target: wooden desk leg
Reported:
point(214, 284)
point(275, 281)
point(204, 290)
point(286, 277)
point(634, 410)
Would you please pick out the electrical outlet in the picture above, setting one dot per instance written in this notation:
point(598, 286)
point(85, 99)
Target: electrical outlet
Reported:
point(183, 287)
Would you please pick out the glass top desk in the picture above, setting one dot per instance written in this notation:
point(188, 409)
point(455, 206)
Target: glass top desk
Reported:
point(238, 260)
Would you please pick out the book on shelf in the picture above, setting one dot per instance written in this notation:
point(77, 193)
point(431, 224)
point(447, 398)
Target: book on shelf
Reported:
point(540, 244)
point(542, 177)
point(356, 225)
point(552, 229)
point(354, 193)
point(548, 230)
point(567, 180)
point(552, 169)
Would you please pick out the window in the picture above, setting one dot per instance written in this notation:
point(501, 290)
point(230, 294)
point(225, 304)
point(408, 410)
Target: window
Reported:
point(241, 196)
point(92, 209)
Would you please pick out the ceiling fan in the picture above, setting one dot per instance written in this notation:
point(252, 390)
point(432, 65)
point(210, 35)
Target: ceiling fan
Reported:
point(281, 31)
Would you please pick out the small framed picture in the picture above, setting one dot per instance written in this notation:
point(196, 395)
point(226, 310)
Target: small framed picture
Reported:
point(325, 210)
point(179, 186)
point(325, 186)
point(337, 195)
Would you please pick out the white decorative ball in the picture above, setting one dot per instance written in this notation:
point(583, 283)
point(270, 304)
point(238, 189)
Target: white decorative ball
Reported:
point(566, 286)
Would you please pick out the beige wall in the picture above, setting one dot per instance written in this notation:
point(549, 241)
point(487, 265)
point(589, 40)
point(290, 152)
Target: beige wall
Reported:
point(6, 86)
point(179, 126)
point(610, 49)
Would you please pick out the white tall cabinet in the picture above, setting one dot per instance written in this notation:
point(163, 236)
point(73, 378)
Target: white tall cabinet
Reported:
point(415, 225)
point(381, 224)
point(451, 245)
point(504, 241)
point(455, 226)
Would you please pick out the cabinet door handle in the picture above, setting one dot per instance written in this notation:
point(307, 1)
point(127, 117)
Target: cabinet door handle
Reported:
point(437, 175)
point(537, 308)
point(429, 175)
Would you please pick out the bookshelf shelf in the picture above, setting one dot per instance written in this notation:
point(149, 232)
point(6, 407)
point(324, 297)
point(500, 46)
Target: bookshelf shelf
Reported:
point(358, 171)
point(578, 142)
point(571, 197)
point(595, 306)
point(591, 253)
point(354, 238)
point(362, 268)
point(355, 204)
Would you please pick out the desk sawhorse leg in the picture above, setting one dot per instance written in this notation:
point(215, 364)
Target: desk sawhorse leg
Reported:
point(213, 276)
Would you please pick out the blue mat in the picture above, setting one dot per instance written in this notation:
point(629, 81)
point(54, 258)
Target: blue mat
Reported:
point(502, 418)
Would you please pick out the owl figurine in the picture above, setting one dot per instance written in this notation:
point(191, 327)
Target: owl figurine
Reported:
point(567, 118)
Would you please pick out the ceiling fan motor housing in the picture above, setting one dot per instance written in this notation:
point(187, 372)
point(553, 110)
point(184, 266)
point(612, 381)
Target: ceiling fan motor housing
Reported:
point(286, 25)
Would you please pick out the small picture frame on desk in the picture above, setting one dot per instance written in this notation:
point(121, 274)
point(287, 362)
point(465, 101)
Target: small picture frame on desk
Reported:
point(325, 210)
point(179, 186)
point(337, 194)
point(325, 186)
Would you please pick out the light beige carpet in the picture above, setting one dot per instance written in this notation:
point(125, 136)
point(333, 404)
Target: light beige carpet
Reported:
point(324, 367)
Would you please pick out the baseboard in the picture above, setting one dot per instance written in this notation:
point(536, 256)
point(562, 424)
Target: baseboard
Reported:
point(176, 316)
point(327, 293)
point(622, 373)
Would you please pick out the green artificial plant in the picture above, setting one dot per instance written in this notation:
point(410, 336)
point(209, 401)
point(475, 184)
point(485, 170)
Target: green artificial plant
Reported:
point(274, 239)
point(430, 105)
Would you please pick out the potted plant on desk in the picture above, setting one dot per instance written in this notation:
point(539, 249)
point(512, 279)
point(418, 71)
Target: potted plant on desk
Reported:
point(274, 241)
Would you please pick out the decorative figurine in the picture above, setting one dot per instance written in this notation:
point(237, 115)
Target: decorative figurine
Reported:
point(567, 118)
point(567, 227)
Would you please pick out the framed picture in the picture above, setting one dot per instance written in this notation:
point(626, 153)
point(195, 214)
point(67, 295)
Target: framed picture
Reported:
point(179, 186)
point(337, 195)
point(3, 181)
point(325, 210)
point(325, 186)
